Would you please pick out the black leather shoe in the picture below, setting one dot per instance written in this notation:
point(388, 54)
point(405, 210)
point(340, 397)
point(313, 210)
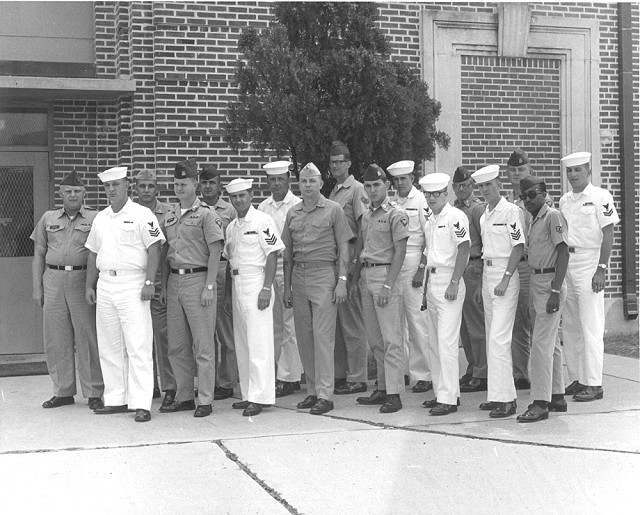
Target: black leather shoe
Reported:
point(465, 379)
point(296, 385)
point(474, 385)
point(142, 415)
point(110, 410)
point(156, 394)
point(169, 398)
point(178, 406)
point(503, 409)
point(574, 388)
point(240, 405)
point(590, 393)
point(533, 414)
point(377, 397)
point(442, 409)
point(284, 388)
point(522, 384)
point(204, 410)
point(309, 402)
point(56, 402)
point(252, 409)
point(321, 406)
point(220, 393)
point(422, 387)
point(434, 402)
point(349, 388)
point(95, 403)
point(488, 406)
point(392, 404)
point(557, 404)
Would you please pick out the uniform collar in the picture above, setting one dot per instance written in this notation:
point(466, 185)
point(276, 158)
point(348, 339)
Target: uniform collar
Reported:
point(542, 213)
point(444, 211)
point(196, 204)
point(322, 202)
point(385, 206)
point(82, 212)
point(412, 193)
point(125, 209)
point(288, 198)
point(221, 203)
point(587, 191)
point(465, 203)
point(249, 216)
point(346, 184)
point(502, 204)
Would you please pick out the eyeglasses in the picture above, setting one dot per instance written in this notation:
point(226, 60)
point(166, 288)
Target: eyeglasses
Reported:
point(530, 195)
point(337, 162)
point(434, 194)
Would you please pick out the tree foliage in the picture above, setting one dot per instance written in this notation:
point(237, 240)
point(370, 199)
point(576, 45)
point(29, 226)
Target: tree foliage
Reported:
point(322, 72)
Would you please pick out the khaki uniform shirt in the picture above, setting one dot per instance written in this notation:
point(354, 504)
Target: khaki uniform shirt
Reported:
point(547, 229)
point(444, 232)
point(474, 209)
point(501, 230)
point(315, 235)
point(225, 211)
point(352, 199)
point(190, 235)
point(416, 207)
point(64, 237)
point(251, 239)
point(381, 228)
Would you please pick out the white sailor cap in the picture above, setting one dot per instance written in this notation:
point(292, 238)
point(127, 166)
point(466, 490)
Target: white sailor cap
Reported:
point(575, 159)
point(435, 181)
point(237, 185)
point(401, 168)
point(486, 174)
point(310, 170)
point(277, 167)
point(113, 174)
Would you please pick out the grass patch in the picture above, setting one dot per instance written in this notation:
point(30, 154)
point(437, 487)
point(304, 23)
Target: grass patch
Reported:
point(622, 345)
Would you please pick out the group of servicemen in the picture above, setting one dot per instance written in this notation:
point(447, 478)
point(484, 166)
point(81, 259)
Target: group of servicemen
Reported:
point(204, 294)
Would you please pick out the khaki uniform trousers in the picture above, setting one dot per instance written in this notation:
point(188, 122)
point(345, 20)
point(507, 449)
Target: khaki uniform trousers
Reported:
point(125, 340)
point(162, 365)
point(521, 336)
point(253, 333)
point(381, 325)
point(227, 363)
point(546, 356)
point(69, 322)
point(414, 321)
point(583, 321)
point(191, 334)
point(444, 319)
point(314, 315)
point(472, 330)
point(499, 314)
point(351, 351)
point(286, 354)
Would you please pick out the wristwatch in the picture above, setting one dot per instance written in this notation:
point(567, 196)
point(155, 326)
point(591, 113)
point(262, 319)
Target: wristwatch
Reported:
point(422, 266)
point(210, 287)
point(148, 282)
point(602, 265)
point(343, 277)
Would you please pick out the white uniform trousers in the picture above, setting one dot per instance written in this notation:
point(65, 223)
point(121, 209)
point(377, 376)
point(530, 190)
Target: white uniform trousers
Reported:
point(125, 340)
point(444, 319)
point(546, 356)
point(287, 357)
point(583, 320)
point(253, 335)
point(414, 321)
point(499, 314)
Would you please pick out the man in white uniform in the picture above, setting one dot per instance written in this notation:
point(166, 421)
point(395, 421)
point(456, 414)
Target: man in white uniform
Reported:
point(124, 244)
point(287, 357)
point(252, 248)
point(412, 274)
point(503, 245)
point(448, 243)
point(590, 215)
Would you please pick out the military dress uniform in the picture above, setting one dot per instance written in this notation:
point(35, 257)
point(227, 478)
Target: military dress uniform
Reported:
point(69, 321)
point(314, 237)
point(191, 325)
point(587, 213)
point(287, 357)
point(250, 240)
point(351, 345)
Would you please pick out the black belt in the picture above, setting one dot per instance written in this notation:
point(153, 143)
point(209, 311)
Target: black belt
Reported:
point(313, 264)
point(473, 258)
point(367, 264)
point(186, 271)
point(222, 258)
point(523, 258)
point(67, 268)
point(544, 270)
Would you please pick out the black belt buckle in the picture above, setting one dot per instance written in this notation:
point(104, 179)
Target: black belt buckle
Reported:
point(572, 249)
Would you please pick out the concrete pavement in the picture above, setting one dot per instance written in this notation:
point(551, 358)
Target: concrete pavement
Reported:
point(352, 460)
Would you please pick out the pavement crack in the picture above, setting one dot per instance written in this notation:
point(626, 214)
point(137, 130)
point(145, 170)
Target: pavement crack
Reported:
point(273, 493)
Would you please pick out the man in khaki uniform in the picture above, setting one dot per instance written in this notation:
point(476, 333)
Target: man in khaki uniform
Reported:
point(59, 273)
point(316, 234)
point(194, 237)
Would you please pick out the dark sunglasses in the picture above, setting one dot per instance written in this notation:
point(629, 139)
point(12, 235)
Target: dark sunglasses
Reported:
point(530, 195)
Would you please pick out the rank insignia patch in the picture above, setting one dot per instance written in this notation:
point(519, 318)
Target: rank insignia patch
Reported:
point(153, 231)
point(271, 239)
point(606, 210)
point(515, 234)
point(460, 232)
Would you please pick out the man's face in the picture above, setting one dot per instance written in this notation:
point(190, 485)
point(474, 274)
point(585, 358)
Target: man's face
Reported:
point(403, 184)
point(534, 204)
point(578, 176)
point(241, 200)
point(490, 190)
point(339, 166)
point(72, 197)
point(117, 191)
point(278, 185)
point(463, 190)
point(210, 187)
point(436, 199)
point(147, 191)
point(376, 191)
point(310, 186)
point(185, 189)
point(517, 173)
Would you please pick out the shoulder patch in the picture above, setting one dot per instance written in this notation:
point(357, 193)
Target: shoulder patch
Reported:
point(404, 221)
point(365, 200)
point(459, 230)
point(559, 229)
point(515, 233)
point(219, 222)
point(153, 231)
point(606, 211)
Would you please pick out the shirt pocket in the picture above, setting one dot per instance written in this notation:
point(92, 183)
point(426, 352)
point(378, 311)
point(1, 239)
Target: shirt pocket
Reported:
point(192, 228)
point(539, 237)
point(441, 238)
point(127, 235)
point(81, 233)
point(414, 219)
point(380, 237)
point(322, 230)
point(500, 235)
point(55, 235)
point(587, 210)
